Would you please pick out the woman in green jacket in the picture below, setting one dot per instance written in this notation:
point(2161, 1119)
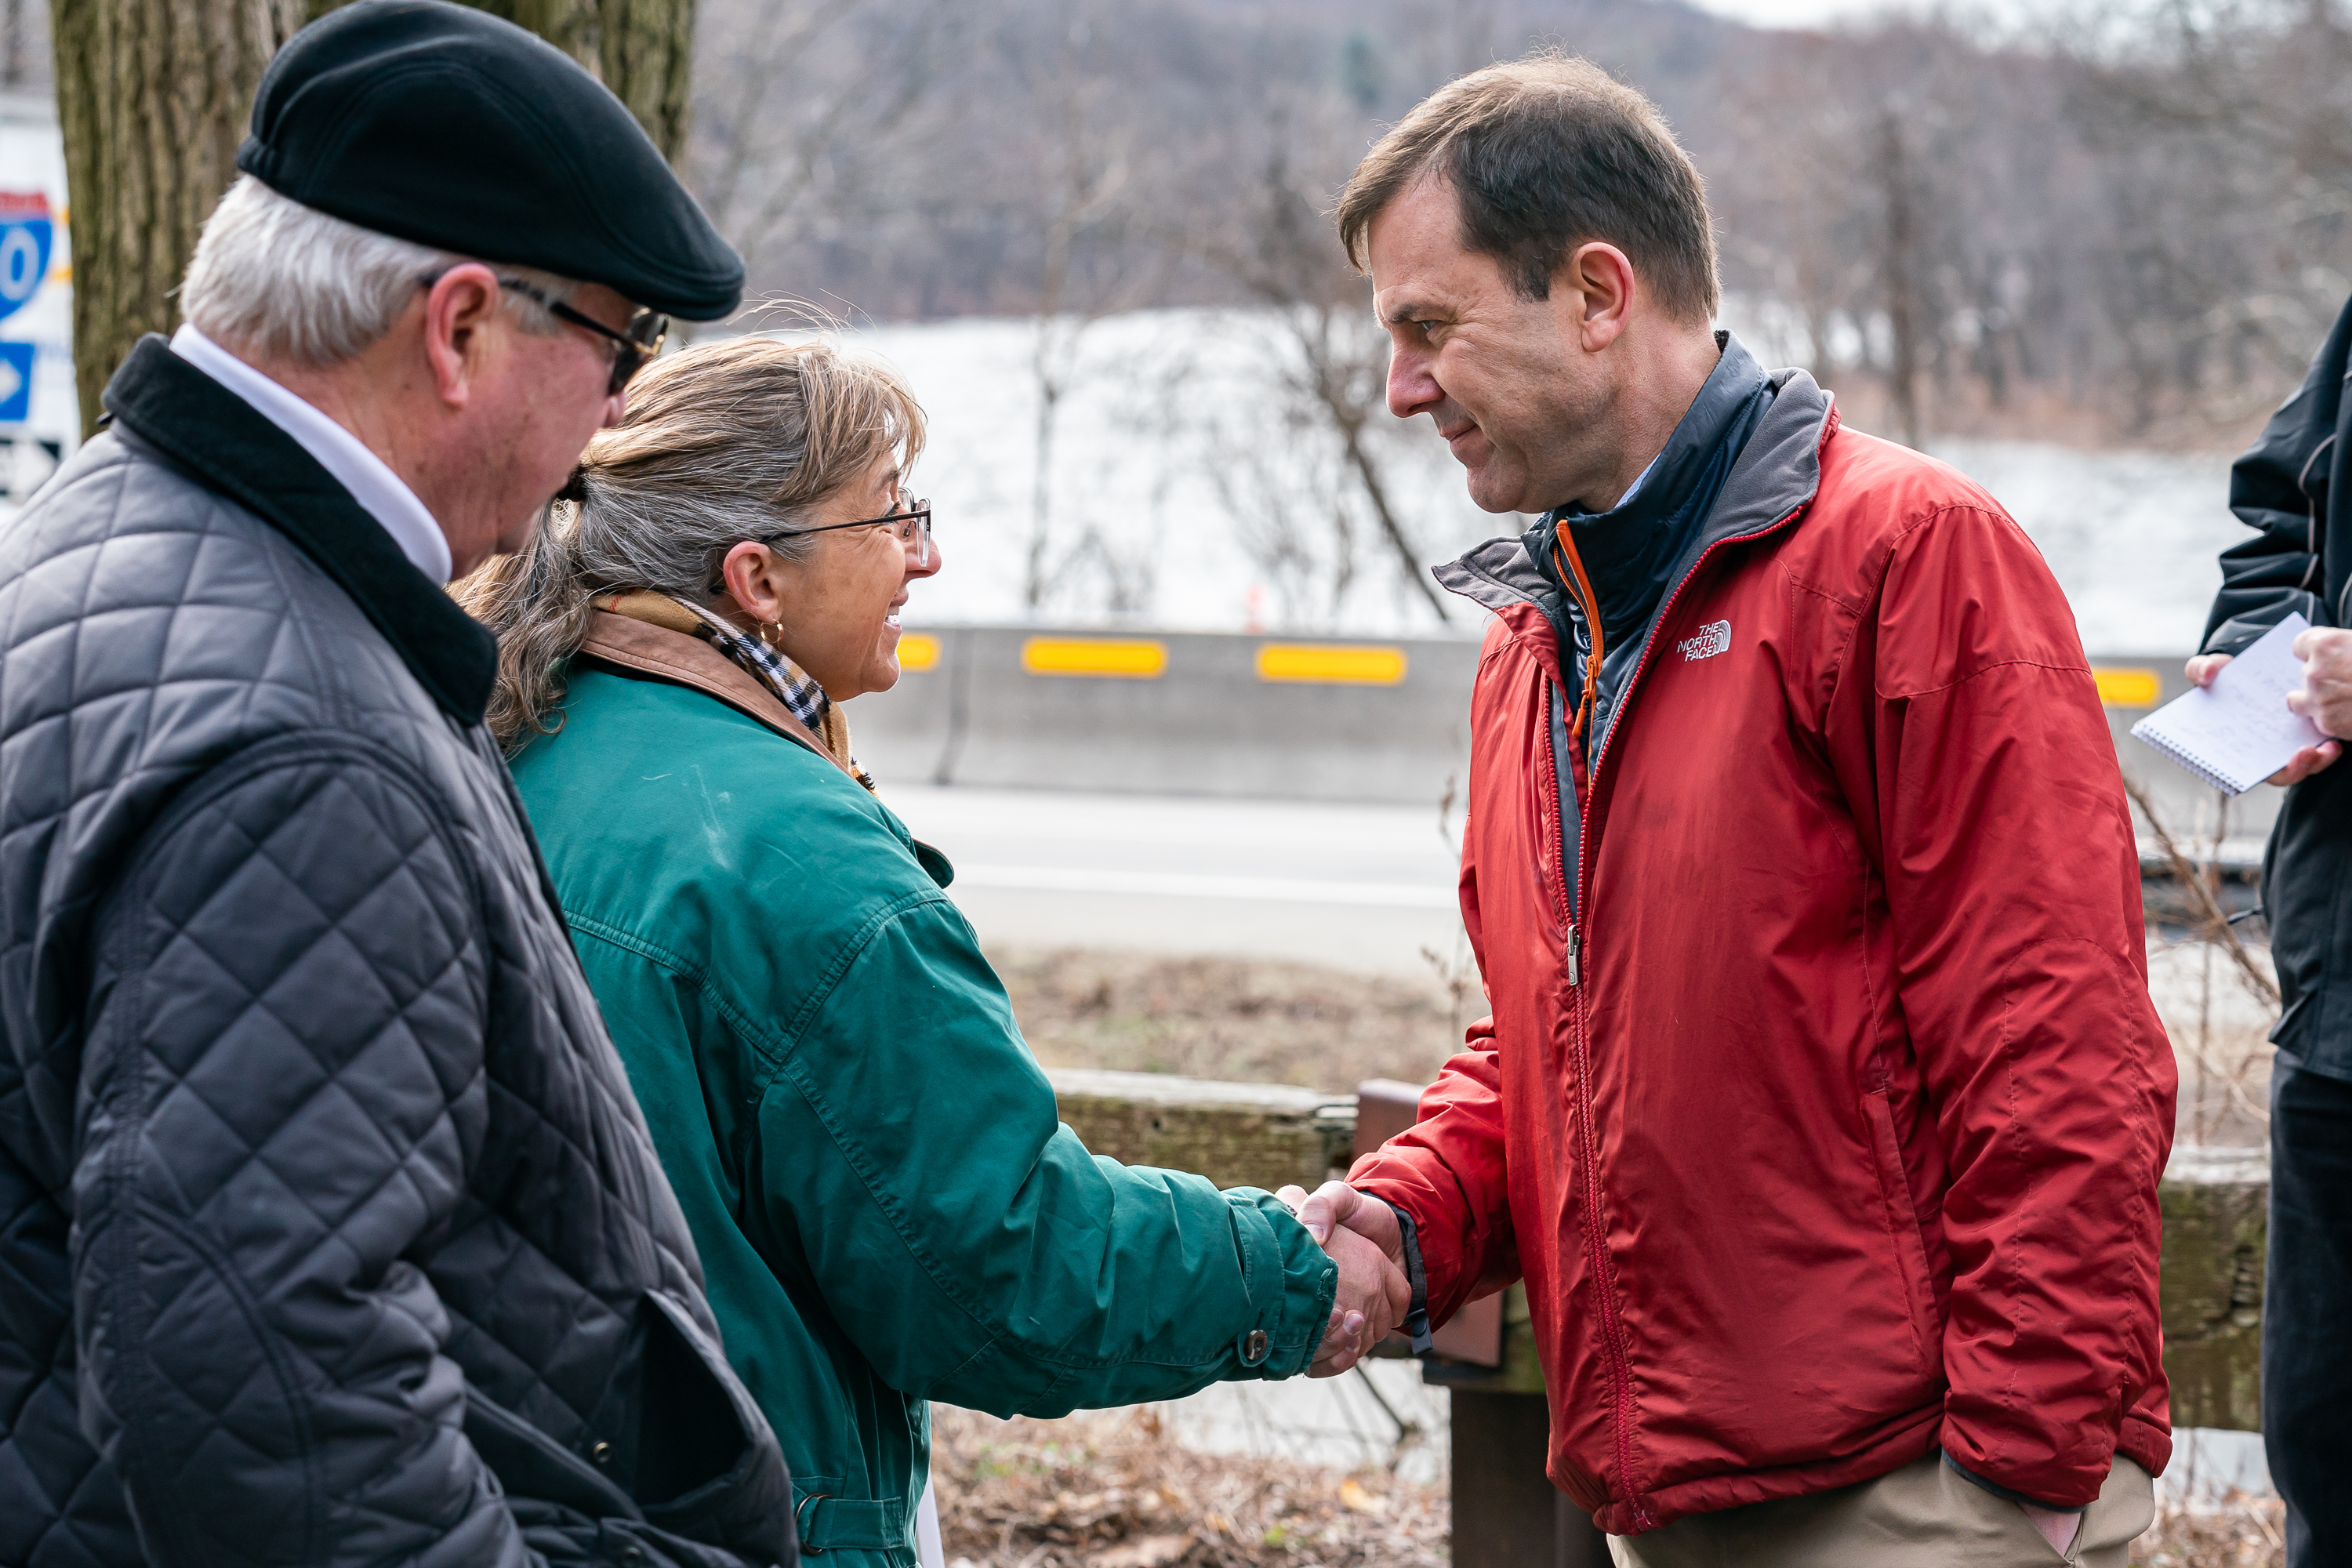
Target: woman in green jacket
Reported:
point(887, 1209)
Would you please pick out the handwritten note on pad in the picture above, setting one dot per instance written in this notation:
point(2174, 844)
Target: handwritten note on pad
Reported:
point(2237, 732)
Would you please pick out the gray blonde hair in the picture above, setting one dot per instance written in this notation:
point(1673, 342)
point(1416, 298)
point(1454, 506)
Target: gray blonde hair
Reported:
point(290, 284)
point(723, 442)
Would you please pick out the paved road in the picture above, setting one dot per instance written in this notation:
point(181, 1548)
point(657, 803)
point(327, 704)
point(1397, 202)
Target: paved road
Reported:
point(1360, 887)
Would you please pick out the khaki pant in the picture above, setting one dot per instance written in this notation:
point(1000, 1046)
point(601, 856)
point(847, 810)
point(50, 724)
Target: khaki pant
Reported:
point(1921, 1516)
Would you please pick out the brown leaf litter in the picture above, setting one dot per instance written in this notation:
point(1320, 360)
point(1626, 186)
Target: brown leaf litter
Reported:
point(1112, 1490)
point(2234, 1531)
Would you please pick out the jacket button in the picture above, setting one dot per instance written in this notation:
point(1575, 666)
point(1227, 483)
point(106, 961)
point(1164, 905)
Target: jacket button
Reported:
point(1254, 1347)
point(601, 1453)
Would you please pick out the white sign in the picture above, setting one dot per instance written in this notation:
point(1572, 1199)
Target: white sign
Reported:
point(35, 301)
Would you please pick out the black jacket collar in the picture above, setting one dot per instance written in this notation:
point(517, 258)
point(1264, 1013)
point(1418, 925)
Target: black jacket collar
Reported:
point(227, 445)
point(1629, 553)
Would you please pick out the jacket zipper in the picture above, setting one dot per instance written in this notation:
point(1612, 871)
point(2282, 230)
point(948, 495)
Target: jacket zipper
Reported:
point(1612, 1333)
point(1621, 1379)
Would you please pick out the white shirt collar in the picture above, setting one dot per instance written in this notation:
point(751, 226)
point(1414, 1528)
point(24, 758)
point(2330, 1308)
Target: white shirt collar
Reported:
point(373, 484)
point(1639, 480)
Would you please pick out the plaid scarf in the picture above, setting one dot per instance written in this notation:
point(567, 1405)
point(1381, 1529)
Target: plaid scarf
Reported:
point(801, 692)
point(796, 687)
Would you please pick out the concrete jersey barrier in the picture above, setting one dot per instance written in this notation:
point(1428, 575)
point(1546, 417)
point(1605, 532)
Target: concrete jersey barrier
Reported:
point(1174, 714)
point(1298, 718)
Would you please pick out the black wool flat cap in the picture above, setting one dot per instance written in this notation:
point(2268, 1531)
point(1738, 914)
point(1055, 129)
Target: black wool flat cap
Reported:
point(452, 129)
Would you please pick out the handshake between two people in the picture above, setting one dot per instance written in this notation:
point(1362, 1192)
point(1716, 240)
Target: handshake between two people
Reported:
point(1363, 1237)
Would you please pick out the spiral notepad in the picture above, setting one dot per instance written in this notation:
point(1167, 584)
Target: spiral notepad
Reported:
point(2238, 731)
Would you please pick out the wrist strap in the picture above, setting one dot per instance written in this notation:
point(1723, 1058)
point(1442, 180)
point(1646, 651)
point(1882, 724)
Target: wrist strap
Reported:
point(1416, 1321)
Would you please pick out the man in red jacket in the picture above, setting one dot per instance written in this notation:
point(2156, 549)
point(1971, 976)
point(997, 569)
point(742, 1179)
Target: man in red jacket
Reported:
point(1823, 1105)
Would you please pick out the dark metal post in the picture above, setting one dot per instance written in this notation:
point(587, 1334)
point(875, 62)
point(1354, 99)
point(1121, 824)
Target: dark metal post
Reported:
point(1507, 1513)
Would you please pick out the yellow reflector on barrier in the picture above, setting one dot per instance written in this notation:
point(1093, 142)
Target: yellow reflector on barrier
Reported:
point(1137, 659)
point(1324, 664)
point(2129, 688)
point(918, 650)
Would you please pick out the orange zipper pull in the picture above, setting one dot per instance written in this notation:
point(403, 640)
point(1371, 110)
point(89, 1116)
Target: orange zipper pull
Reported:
point(1564, 555)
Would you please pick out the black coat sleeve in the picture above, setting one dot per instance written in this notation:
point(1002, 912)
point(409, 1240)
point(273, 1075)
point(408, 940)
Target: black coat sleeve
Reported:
point(2280, 489)
point(283, 1088)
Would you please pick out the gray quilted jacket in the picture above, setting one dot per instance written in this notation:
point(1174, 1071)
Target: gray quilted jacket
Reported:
point(329, 1232)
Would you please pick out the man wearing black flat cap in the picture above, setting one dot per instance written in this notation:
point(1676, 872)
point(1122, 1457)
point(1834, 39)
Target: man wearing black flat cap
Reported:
point(329, 1229)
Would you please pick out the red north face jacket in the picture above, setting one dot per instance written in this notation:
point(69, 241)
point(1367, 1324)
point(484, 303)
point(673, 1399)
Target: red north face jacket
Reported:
point(1829, 1129)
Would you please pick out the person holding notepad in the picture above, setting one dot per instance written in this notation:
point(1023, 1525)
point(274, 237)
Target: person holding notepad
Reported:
point(2289, 487)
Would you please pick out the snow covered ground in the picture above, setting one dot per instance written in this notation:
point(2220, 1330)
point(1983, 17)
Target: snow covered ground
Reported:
point(1175, 442)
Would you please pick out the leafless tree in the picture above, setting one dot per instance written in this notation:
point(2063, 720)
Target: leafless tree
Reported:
point(1898, 274)
point(12, 45)
point(2131, 225)
point(1086, 188)
point(809, 103)
point(1276, 244)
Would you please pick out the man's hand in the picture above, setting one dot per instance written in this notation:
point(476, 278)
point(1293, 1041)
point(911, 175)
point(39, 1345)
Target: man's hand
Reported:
point(1363, 1238)
point(1375, 1297)
point(2058, 1529)
point(2310, 759)
point(2325, 696)
point(1336, 1205)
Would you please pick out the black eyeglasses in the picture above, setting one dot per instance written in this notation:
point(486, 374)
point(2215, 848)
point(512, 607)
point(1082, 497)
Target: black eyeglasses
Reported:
point(633, 346)
point(911, 523)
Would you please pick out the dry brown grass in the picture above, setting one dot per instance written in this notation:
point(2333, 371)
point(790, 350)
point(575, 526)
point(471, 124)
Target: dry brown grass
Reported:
point(1241, 1020)
point(1108, 1490)
point(2239, 1532)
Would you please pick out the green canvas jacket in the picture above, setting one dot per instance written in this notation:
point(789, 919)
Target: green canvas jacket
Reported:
point(887, 1207)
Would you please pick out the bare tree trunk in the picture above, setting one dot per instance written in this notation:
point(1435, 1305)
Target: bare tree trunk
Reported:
point(644, 51)
point(1347, 417)
point(1036, 568)
point(1902, 290)
point(1093, 181)
point(1391, 528)
point(153, 97)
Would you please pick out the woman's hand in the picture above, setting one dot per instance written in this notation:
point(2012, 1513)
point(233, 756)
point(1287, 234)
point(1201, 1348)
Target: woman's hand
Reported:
point(1373, 1296)
point(2305, 762)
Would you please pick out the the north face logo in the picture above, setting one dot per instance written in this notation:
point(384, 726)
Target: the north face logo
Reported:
point(1712, 639)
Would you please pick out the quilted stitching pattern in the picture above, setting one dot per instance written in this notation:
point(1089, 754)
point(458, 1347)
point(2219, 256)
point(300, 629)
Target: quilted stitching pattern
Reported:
point(307, 1119)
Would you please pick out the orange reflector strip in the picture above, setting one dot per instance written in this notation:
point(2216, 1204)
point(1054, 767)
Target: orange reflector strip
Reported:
point(1324, 664)
point(918, 650)
point(1135, 659)
point(2129, 688)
